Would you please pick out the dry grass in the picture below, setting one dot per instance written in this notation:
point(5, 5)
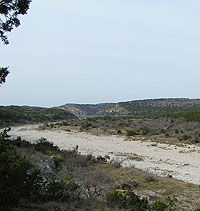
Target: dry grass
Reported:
point(160, 187)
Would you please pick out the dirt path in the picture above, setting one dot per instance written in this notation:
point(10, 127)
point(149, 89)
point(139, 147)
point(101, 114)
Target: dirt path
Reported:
point(161, 159)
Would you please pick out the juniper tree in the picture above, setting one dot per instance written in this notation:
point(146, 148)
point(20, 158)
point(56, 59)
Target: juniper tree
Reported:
point(9, 19)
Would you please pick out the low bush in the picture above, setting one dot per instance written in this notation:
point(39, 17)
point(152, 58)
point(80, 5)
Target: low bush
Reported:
point(130, 201)
point(101, 159)
point(177, 131)
point(61, 191)
point(166, 134)
point(46, 147)
point(131, 133)
point(21, 143)
point(150, 179)
point(119, 132)
point(145, 130)
point(85, 127)
point(127, 200)
point(58, 161)
point(167, 205)
point(185, 137)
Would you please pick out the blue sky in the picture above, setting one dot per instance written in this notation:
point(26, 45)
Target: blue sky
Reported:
point(95, 51)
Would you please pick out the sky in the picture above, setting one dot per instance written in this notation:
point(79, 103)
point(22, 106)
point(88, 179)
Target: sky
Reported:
point(91, 51)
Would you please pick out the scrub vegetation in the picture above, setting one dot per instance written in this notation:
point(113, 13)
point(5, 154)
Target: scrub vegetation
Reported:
point(40, 176)
point(12, 115)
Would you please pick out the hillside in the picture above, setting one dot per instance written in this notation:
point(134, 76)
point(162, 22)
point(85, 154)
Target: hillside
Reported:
point(85, 110)
point(10, 115)
point(134, 108)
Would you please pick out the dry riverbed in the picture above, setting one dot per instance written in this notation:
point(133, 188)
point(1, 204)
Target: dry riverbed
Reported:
point(181, 162)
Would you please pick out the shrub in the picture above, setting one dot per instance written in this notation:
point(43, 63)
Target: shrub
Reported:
point(66, 178)
point(45, 146)
point(92, 181)
point(168, 205)
point(177, 131)
point(162, 131)
point(125, 186)
point(67, 154)
point(15, 181)
point(196, 140)
point(61, 191)
point(101, 159)
point(145, 130)
point(58, 161)
point(127, 200)
point(150, 179)
point(21, 143)
point(119, 132)
point(90, 157)
point(134, 184)
point(166, 134)
point(131, 133)
point(65, 123)
point(186, 137)
point(85, 127)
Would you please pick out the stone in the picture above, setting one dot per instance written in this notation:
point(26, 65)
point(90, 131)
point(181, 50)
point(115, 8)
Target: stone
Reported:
point(152, 195)
point(51, 164)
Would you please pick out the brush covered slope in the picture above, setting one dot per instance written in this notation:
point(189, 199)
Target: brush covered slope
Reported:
point(138, 108)
point(10, 115)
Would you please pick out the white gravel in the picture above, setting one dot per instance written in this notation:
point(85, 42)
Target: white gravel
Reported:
point(182, 163)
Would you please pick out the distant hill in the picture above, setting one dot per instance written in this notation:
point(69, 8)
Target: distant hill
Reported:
point(87, 110)
point(10, 115)
point(173, 107)
point(134, 108)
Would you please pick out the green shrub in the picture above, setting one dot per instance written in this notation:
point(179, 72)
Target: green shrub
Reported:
point(166, 134)
point(185, 137)
point(21, 143)
point(45, 146)
point(145, 130)
point(162, 131)
point(131, 133)
point(167, 205)
point(130, 201)
point(58, 161)
point(101, 159)
point(90, 157)
point(15, 114)
point(15, 181)
point(61, 191)
point(119, 132)
point(177, 131)
point(18, 181)
point(86, 127)
point(196, 140)
point(127, 200)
